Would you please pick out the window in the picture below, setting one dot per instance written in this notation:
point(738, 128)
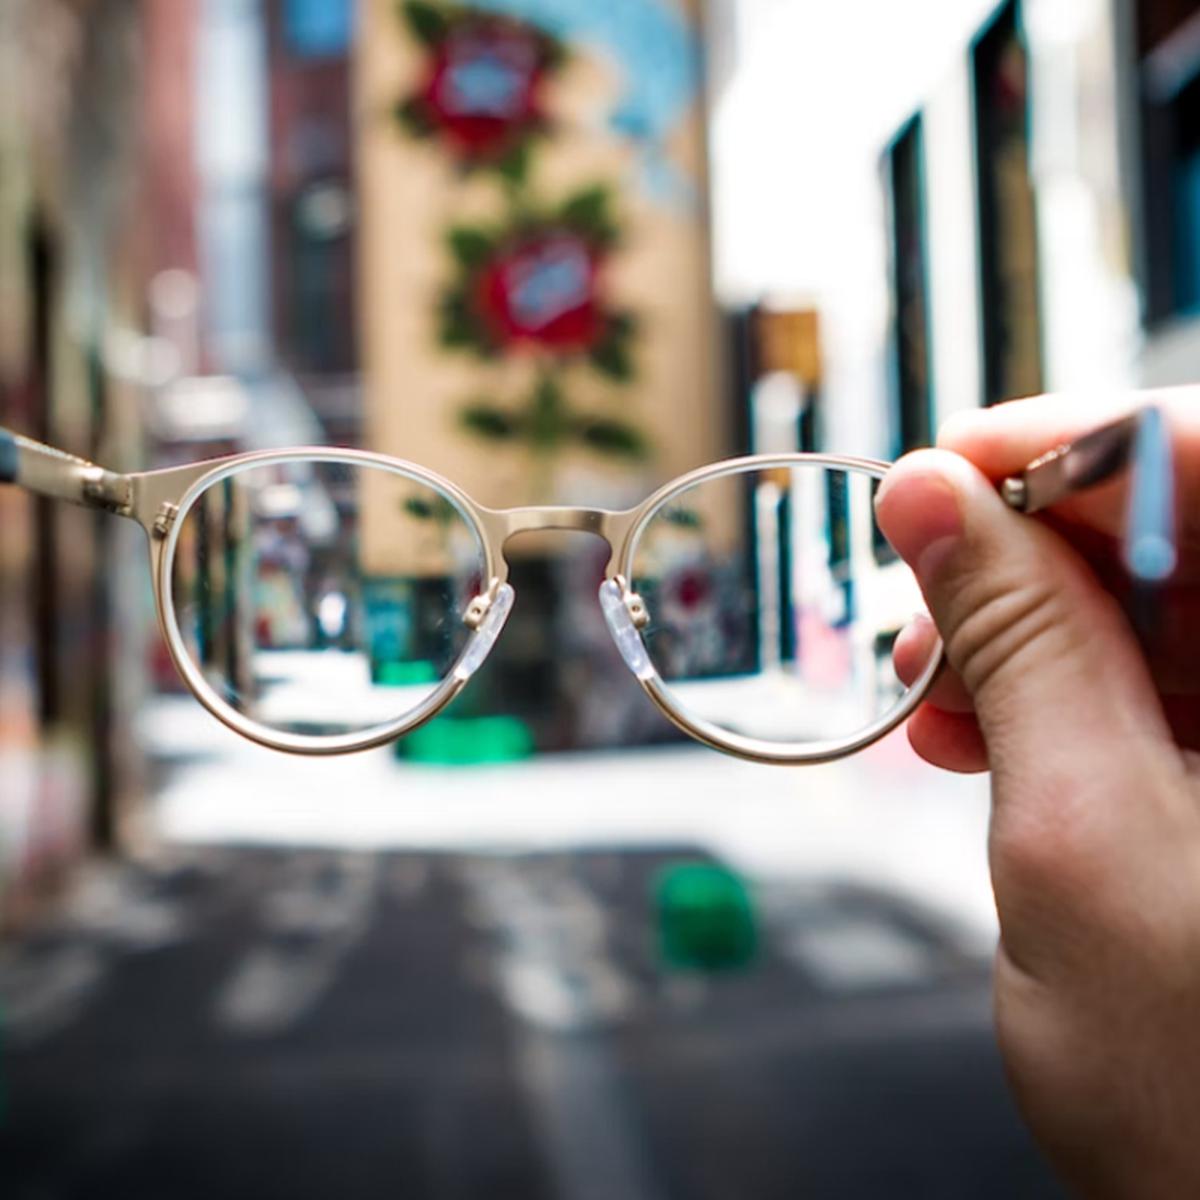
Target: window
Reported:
point(1008, 251)
point(318, 278)
point(904, 181)
point(1168, 74)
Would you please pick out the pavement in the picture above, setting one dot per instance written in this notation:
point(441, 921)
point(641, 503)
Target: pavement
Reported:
point(367, 978)
point(881, 817)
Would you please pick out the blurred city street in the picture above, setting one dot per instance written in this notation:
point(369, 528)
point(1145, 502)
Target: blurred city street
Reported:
point(450, 985)
point(368, 977)
point(366, 317)
point(880, 818)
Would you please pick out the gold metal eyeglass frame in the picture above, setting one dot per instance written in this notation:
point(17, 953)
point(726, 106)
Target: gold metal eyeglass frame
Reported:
point(158, 500)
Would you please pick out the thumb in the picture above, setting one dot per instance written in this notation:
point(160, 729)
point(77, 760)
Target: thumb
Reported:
point(1058, 680)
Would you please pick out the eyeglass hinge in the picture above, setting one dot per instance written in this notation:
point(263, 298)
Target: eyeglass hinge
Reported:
point(164, 519)
point(107, 490)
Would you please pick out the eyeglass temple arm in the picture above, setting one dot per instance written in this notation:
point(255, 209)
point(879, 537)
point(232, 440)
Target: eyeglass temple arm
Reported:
point(1141, 440)
point(1083, 463)
point(61, 476)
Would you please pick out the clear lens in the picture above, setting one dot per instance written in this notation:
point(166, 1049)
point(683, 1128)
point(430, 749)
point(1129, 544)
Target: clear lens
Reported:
point(774, 601)
point(323, 597)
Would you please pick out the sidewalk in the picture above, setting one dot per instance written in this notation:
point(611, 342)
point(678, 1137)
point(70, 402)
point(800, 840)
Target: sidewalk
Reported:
point(882, 818)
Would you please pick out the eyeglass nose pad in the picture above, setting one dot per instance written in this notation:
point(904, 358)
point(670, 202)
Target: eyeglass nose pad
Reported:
point(613, 603)
point(486, 633)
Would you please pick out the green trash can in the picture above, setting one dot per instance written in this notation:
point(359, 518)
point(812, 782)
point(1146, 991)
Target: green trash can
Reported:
point(706, 918)
point(466, 741)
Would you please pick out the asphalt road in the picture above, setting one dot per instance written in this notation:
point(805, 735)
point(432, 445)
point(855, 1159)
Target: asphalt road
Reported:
point(311, 1023)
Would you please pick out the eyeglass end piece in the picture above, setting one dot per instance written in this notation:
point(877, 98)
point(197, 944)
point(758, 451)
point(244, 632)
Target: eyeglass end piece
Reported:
point(1152, 558)
point(1015, 492)
point(1150, 544)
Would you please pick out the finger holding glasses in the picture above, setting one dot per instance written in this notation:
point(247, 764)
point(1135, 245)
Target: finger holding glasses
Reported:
point(1101, 521)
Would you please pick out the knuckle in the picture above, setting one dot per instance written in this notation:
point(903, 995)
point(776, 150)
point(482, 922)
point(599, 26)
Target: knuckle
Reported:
point(1007, 631)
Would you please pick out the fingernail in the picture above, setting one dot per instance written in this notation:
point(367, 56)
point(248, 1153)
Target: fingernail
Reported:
point(919, 514)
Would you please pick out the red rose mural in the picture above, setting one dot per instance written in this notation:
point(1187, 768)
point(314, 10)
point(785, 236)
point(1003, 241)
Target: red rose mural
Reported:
point(542, 292)
point(480, 94)
point(533, 284)
point(536, 285)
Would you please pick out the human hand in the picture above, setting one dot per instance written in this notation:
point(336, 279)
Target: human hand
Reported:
point(1091, 737)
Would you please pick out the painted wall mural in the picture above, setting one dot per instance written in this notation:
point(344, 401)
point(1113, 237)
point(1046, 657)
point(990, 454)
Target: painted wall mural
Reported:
point(533, 285)
point(536, 279)
point(538, 323)
point(480, 93)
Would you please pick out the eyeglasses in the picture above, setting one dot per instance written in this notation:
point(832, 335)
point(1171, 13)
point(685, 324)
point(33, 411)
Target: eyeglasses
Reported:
point(321, 601)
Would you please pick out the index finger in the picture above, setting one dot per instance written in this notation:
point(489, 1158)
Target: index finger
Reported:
point(1003, 440)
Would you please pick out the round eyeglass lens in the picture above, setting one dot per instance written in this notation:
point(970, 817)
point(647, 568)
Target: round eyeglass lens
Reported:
point(774, 601)
point(323, 597)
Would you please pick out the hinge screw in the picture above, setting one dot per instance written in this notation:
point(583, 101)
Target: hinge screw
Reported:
point(1015, 492)
point(165, 519)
